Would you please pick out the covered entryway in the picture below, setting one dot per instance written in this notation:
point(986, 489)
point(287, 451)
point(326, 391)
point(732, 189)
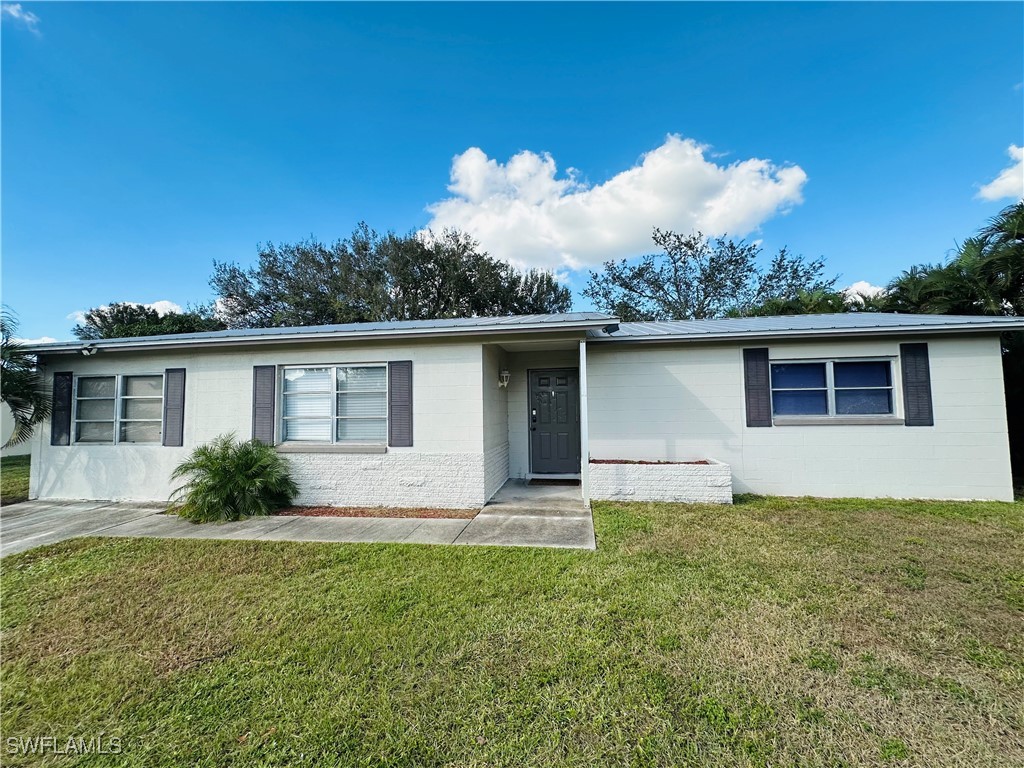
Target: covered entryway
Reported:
point(554, 421)
point(535, 413)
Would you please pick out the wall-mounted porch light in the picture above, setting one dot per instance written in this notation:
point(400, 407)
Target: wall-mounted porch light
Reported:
point(503, 377)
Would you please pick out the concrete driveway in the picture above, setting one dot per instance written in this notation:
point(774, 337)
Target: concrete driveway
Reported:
point(517, 516)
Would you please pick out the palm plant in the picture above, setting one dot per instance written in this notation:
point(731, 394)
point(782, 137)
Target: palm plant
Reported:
point(908, 291)
point(1004, 263)
point(985, 277)
point(22, 385)
point(228, 479)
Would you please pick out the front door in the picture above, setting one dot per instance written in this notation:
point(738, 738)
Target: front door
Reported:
point(555, 421)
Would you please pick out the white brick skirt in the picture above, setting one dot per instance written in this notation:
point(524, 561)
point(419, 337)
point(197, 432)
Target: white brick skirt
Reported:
point(495, 469)
point(693, 483)
point(393, 479)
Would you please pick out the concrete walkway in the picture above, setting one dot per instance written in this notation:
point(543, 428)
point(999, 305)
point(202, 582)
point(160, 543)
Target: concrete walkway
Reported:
point(517, 516)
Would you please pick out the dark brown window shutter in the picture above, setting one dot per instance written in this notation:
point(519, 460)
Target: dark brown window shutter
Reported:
point(400, 403)
point(174, 407)
point(917, 385)
point(60, 413)
point(264, 400)
point(757, 387)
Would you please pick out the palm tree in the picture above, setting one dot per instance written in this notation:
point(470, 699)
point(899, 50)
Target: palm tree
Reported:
point(909, 291)
point(22, 386)
point(1003, 244)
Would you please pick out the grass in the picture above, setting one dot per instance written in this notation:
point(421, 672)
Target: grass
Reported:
point(777, 632)
point(14, 479)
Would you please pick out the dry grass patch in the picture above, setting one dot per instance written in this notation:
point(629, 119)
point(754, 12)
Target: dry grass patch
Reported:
point(777, 632)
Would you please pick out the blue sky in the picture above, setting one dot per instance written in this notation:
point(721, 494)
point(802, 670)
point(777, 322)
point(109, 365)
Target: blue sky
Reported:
point(141, 142)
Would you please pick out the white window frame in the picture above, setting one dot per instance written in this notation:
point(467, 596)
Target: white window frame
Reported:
point(830, 389)
point(335, 418)
point(118, 398)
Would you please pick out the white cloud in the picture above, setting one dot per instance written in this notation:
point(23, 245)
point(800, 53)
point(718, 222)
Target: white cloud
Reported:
point(855, 293)
point(14, 11)
point(165, 307)
point(30, 342)
point(522, 212)
point(162, 307)
point(1010, 181)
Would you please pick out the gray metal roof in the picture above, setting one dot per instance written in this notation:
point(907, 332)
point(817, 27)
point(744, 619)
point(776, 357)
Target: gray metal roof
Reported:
point(796, 326)
point(596, 325)
point(578, 321)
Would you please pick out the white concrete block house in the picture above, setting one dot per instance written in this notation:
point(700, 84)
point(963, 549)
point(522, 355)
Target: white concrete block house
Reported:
point(441, 413)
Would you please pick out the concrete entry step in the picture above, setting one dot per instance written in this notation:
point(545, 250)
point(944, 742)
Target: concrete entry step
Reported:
point(542, 499)
point(528, 515)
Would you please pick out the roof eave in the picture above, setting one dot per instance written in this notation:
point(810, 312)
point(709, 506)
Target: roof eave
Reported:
point(809, 334)
point(142, 342)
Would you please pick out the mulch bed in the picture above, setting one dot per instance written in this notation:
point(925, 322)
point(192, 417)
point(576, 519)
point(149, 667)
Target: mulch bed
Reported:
point(459, 514)
point(629, 461)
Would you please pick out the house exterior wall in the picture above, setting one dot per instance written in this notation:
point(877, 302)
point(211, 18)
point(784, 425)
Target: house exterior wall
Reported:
point(495, 410)
point(520, 363)
point(683, 402)
point(6, 430)
point(672, 402)
point(447, 428)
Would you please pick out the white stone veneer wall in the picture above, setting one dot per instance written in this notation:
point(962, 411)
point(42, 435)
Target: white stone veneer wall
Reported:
point(495, 469)
point(694, 483)
point(394, 479)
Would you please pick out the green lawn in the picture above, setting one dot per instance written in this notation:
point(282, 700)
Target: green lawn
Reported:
point(13, 479)
point(778, 632)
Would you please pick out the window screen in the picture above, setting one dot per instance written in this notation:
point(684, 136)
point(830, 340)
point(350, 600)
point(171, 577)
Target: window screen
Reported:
point(343, 404)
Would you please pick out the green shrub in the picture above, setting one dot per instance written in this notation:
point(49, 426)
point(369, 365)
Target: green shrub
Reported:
point(228, 479)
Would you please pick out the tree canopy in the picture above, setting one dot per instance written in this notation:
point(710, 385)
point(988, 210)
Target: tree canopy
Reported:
point(371, 277)
point(125, 319)
point(697, 277)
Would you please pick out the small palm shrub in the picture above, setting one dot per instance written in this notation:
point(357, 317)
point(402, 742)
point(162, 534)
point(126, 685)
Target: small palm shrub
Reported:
point(228, 479)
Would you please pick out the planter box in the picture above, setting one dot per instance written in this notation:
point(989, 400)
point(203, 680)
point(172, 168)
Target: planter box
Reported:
point(707, 482)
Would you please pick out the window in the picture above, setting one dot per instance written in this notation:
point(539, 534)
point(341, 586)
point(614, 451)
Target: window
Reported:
point(128, 408)
point(335, 404)
point(832, 388)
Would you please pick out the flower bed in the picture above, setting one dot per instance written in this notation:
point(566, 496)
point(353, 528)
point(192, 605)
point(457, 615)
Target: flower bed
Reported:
point(705, 481)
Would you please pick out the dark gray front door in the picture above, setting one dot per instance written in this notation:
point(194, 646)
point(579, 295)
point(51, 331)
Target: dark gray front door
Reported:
point(555, 421)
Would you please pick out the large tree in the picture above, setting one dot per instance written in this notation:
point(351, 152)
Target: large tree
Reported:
point(125, 319)
point(697, 277)
point(22, 385)
point(372, 277)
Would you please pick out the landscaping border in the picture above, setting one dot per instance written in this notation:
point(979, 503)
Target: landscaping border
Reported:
point(707, 482)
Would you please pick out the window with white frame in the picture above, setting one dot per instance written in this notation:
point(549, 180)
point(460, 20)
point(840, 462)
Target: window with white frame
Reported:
point(832, 388)
point(119, 408)
point(335, 404)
